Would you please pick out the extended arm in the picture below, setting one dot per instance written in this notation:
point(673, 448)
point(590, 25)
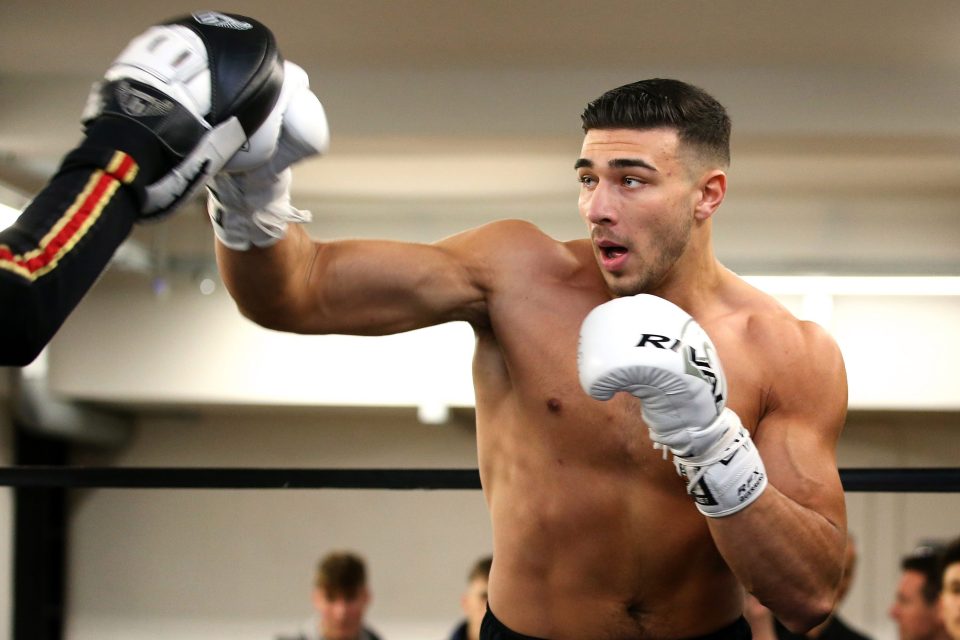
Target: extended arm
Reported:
point(282, 279)
point(363, 287)
point(62, 241)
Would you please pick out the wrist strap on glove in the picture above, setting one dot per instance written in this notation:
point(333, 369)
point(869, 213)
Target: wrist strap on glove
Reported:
point(252, 209)
point(728, 477)
point(249, 204)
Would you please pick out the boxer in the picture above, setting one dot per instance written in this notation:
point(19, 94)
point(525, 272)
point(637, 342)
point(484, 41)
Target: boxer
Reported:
point(596, 359)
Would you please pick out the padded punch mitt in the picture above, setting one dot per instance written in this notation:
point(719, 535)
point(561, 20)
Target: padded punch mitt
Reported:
point(202, 84)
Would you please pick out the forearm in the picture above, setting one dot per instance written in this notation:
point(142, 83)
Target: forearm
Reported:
point(65, 237)
point(270, 285)
point(789, 556)
point(52, 256)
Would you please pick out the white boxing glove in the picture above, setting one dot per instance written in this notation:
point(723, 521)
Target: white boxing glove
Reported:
point(249, 202)
point(654, 350)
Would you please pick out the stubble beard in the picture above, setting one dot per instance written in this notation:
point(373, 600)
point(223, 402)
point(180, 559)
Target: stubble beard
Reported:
point(652, 269)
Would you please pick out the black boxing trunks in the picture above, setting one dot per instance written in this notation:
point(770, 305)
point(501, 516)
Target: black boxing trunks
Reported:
point(493, 629)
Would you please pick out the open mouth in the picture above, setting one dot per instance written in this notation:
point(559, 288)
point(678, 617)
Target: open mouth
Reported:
point(613, 251)
point(610, 250)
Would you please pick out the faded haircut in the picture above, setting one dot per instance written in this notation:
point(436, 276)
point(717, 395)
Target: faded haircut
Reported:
point(700, 120)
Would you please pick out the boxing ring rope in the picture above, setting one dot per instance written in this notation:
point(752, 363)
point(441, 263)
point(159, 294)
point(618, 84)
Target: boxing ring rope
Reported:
point(903, 480)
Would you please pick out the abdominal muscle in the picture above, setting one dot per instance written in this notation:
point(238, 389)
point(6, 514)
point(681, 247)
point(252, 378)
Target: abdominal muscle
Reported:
point(594, 537)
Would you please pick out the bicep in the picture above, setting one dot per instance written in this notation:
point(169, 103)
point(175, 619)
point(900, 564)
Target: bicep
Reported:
point(797, 436)
point(378, 287)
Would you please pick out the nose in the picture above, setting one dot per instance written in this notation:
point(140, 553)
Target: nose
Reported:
point(338, 610)
point(599, 206)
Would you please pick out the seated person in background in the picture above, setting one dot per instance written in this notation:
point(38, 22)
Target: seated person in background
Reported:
point(341, 597)
point(474, 601)
point(765, 627)
point(950, 589)
point(914, 608)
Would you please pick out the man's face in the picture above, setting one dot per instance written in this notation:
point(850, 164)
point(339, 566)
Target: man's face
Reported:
point(915, 619)
point(950, 600)
point(637, 197)
point(341, 615)
point(474, 603)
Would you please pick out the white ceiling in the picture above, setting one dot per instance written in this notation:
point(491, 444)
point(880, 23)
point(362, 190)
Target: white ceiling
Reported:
point(72, 37)
point(447, 114)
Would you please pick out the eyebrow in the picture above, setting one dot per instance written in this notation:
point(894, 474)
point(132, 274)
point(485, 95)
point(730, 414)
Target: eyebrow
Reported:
point(616, 163)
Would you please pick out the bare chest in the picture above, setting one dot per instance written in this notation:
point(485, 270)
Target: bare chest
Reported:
point(527, 380)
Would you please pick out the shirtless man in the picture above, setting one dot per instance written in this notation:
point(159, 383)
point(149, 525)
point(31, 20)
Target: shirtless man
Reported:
point(594, 533)
point(595, 536)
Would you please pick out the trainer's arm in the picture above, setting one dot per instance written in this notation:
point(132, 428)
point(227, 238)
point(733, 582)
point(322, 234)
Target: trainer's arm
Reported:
point(787, 547)
point(134, 162)
point(63, 240)
point(363, 287)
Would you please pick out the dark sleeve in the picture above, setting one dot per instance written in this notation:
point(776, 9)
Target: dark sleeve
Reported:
point(65, 237)
point(838, 629)
point(785, 634)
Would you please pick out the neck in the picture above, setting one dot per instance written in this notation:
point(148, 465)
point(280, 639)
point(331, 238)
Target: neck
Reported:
point(693, 285)
point(696, 273)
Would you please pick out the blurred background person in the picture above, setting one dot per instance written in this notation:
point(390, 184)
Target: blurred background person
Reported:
point(950, 589)
point(340, 597)
point(914, 607)
point(474, 600)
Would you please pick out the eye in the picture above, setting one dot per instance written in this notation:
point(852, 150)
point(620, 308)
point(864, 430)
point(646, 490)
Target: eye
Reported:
point(587, 180)
point(632, 182)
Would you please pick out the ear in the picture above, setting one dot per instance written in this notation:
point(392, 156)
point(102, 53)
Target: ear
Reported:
point(713, 187)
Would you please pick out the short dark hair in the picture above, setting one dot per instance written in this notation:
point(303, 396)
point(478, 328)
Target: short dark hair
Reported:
point(925, 560)
point(700, 120)
point(480, 569)
point(341, 573)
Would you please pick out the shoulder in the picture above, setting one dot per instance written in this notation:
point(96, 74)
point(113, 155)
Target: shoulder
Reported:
point(368, 634)
point(510, 234)
point(785, 345)
point(518, 246)
point(460, 632)
point(801, 373)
